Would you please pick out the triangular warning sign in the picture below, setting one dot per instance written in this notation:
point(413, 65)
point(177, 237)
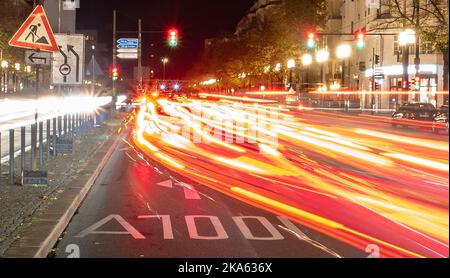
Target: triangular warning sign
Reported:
point(35, 33)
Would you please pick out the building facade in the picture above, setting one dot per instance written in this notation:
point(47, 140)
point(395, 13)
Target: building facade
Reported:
point(361, 71)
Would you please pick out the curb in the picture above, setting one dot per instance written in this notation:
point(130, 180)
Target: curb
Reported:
point(55, 228)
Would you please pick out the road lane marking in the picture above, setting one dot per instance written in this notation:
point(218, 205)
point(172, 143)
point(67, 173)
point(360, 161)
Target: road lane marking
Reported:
point(130, 230)
point(193, 231)
point(293, 229)
point(166, 224)
point(190, 193)
point(275, 234)
point(166, 184)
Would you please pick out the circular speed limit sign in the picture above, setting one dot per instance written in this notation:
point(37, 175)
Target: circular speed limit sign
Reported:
point(65, 69)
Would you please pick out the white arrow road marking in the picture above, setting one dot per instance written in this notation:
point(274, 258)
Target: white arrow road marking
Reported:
point(189, 191)
point(166, 184)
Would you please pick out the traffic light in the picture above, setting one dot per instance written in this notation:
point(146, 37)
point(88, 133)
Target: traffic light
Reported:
point(115, 74)
point(360, 38)
point(311, 42)
point(172, 38)
point(415, 83)
point(405, 84)
point(377, 86)
point(377, 59)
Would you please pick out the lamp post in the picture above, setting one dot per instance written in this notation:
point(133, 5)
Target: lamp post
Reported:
point(321, 57)
point(344, 51)
point(164, 62)
point(93, 69)
point(406, 38)
point(4, 66)
point(290, 66)
point(16, 77)
point(307, 60)
point(277, 70)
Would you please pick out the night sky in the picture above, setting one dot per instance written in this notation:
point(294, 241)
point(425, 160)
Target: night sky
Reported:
point(195, 19)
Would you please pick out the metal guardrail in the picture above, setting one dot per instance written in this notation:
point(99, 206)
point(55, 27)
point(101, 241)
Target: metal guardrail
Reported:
point(62, 127)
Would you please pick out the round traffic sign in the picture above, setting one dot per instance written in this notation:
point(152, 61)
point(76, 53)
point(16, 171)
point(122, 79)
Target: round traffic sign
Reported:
point(65, 69)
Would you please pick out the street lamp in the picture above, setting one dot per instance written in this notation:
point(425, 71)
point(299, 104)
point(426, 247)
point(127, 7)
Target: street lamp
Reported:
point(307, 59)
point(93, 69)
point(321, 57)
point(343, 51)
point(290, 66)
point(164, 61)
point(278, 67)
point(15, 77)
point(406, 38)
point(4, 65)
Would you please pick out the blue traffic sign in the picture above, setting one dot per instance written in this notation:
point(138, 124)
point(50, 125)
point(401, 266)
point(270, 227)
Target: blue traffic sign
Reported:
point(127, 46)
point(128, 41)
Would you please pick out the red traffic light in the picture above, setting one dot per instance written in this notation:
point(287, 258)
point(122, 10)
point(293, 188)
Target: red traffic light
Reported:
point(115, 73)
point(360, 37)
point(311, 39)
point(172, 37)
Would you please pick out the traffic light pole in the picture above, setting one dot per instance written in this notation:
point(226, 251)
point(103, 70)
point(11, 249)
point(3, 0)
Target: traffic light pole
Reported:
point(373, 81)
point(140, 54)
point(114, 58)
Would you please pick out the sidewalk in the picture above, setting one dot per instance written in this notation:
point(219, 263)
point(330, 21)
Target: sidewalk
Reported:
point(21, 206)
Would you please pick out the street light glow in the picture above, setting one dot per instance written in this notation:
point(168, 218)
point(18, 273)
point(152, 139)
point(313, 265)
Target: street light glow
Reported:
point(17, 66)
point(164, 60)
point(407, 37)
point(278, 67)
point(291, 64)
point(343, 51)
point(322, 55)
point(307, 59)
point(5, 64)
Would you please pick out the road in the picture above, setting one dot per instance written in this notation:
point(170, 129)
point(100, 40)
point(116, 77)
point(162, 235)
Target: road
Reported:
point(168, 220)
point(349, 185)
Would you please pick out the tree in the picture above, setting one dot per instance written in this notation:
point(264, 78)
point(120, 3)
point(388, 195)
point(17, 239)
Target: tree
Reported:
point(275, 38)
point(11, 16)
point(429, 20)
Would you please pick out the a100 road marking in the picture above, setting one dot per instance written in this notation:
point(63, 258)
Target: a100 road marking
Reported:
point(191, 222)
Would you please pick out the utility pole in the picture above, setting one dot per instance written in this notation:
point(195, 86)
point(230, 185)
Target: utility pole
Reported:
point(373, 81)
point(114, 58)
point(140, 54)
point(417, 59)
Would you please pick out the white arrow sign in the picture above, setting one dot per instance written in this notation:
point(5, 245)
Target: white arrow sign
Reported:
point(37, 58)
point(127, 50)
point(127, 55)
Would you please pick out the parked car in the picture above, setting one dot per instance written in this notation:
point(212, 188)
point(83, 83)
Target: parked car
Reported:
point(440, 121)
point(414, 111)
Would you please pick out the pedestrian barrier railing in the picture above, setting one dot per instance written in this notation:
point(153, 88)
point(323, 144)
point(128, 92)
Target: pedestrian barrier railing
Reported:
point(48, 138)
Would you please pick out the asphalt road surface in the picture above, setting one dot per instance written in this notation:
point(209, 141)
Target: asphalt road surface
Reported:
point(139, 210)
